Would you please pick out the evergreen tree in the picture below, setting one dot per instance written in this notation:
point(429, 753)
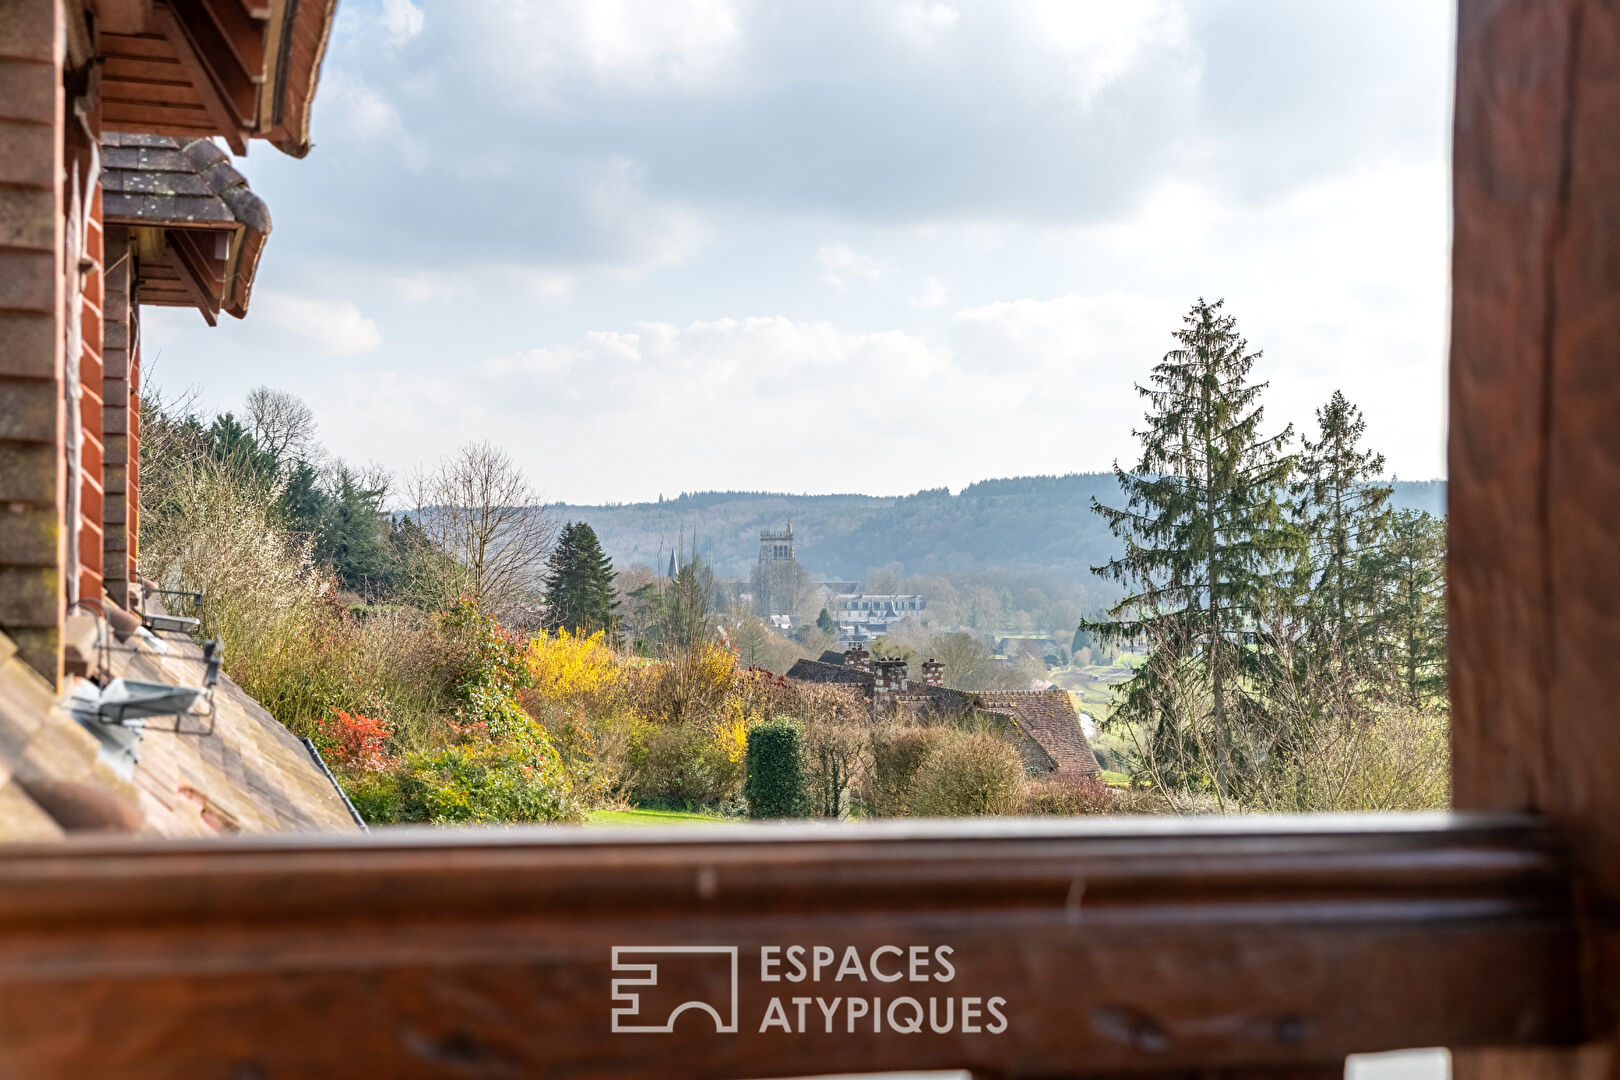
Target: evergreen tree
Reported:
point(231, 444)
point(342, 515)
point(1342, 512)
point(1413, 642)
point(579, 583)
point(824, 623)
point(1204, 534)
point(353, 539)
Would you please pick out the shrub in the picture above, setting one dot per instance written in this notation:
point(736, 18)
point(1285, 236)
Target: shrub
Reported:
point(897, 752)
point(356, 742)
point(775, 787)
point(834, 761)
point(578, 692)
point(519, 778)
point(1067, 791)
point(375, 795)
point(683, 764)
point(572, 667)
point(491, 669)
point(1394, 758)
point(967, 774)
point(693, 686)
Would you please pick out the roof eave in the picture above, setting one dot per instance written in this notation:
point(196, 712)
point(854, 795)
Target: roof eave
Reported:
point(298, 36)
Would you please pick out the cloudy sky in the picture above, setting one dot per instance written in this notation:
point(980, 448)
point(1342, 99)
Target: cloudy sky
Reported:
point(833, 246)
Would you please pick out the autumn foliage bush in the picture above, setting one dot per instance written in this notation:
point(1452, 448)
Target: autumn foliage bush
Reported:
point(355, 741)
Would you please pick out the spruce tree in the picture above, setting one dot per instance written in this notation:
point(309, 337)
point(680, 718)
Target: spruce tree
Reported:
point(1205, 534)
point(579, 583)
point(1342, 511)
point(1413, 642)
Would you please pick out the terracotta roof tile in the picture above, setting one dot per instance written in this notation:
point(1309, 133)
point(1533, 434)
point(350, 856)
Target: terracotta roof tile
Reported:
point(251, 774)
point(1048, 717)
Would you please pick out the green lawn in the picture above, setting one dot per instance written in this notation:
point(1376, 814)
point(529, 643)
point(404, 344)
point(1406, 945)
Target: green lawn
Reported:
point(651, 817)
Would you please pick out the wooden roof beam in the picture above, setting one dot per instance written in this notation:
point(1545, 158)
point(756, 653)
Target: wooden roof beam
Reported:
point(123, 16)
point(243, 34)
point(214, 103)
point(193, 266)
point(236, 84)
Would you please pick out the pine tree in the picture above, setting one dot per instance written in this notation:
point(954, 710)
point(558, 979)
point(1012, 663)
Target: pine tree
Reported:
point(1343, 514)
point(579, 583)
point(1205, 535)
point(1413, 642)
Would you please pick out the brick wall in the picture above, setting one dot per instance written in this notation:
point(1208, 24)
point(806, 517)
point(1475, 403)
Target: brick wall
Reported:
point(31, 330)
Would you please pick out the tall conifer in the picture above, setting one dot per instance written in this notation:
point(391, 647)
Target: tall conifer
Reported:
point(1343, 513)
point(579, 586)
point(1413, 641)
point(1205, 534)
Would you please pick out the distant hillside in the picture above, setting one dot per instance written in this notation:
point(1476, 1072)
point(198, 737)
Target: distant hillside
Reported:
point(1026, 523)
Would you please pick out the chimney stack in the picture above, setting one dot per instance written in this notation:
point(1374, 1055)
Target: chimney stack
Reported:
point(933, 672)
point(891, 678)
point(858, 658)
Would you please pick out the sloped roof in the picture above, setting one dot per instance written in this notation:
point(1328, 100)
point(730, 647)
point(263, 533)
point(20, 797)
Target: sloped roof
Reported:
point(59, 775)
point(1048, 717)
point(821, 672)
point(187, 183)
point(833, 657)
point(238, 71)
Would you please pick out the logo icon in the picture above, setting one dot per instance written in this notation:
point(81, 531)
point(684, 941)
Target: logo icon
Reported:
point(719, 965)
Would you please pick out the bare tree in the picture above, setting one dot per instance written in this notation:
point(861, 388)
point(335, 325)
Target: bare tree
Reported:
point(479, 509)
point(280, 422)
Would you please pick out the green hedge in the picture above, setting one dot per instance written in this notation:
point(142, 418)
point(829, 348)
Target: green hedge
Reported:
point(775, 787)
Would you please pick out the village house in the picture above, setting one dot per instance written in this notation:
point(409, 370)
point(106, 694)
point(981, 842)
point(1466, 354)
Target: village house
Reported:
point(1042, 724)
point(114, 196)
point(861, 617)
point(1042, 647)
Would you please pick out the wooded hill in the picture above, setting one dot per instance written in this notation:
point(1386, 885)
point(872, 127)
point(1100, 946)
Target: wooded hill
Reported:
point(1029, 523)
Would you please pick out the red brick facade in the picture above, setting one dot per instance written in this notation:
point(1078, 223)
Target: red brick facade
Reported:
point(32, 492)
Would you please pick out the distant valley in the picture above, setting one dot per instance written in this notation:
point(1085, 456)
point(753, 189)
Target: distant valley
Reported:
point(1041, 524)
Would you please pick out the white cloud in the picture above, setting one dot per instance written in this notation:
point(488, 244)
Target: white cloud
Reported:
point(923, 22)
point(1104, 39)
point(841, 264)
point(933, 293)
point(537, 48)
point(646, 231)
point(357, 111)
point(330, 327)
point(1026, 196)
point(401, 21)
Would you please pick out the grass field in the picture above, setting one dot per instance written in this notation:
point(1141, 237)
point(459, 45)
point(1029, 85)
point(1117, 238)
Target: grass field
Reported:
point(651, 817)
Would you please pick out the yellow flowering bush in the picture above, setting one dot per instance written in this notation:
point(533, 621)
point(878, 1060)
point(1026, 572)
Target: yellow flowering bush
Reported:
point(572, 667)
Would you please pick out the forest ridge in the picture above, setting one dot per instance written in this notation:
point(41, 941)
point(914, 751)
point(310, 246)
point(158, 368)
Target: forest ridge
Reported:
point(1027, 523)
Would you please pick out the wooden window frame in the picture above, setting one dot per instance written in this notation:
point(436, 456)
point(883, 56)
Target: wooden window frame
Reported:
point(1269, 945)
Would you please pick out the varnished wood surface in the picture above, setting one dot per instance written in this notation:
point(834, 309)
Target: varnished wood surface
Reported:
point(1535, 436)
point(1118, 947)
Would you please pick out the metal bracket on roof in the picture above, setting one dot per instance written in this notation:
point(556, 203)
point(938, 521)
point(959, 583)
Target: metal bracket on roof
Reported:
point(119, 746)
point(185, 624)
point(130, 703)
